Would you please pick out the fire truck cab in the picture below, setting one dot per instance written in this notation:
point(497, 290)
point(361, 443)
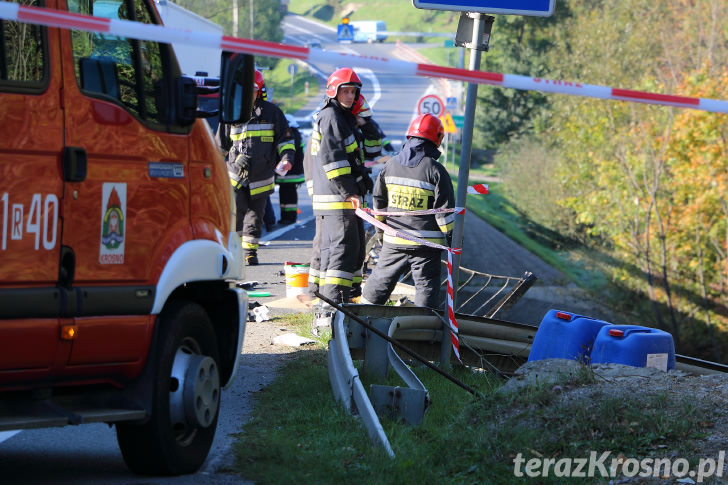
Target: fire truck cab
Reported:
point(118, 251)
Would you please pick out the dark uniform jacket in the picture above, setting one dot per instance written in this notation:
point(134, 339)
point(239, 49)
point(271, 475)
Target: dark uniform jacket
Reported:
point(295, 174)
point(413, 181)
point(337, 159)
point(308, 167)
point(372, 135)
point(258, 146)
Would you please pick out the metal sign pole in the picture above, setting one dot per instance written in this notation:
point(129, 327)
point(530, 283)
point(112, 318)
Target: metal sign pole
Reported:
point(463, 173)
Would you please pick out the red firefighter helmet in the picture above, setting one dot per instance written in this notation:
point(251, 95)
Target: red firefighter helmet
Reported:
point(344, 76)
point(427, 126)
point(361, 107)
point(259, 84)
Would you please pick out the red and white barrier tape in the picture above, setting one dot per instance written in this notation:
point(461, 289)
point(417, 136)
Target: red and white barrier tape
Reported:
point(366, 215)
point(424, 212)
point(158, 33)
point(454, 340)
point(478, 189)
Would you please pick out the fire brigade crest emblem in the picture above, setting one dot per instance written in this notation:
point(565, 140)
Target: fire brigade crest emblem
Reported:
point(113, 224)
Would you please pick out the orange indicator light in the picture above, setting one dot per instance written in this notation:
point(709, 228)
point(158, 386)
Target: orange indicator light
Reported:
point(68, 332)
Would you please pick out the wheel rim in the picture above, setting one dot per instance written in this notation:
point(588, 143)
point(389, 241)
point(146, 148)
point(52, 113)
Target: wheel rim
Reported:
point(194, 391)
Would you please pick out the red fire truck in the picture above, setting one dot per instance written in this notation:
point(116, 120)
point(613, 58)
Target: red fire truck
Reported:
point(118, 255)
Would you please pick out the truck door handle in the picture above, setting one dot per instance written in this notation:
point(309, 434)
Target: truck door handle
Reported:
point(74, 164)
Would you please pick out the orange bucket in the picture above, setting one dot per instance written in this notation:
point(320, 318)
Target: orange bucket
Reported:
point(296, 278)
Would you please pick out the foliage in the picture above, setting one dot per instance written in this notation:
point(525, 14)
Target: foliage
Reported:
point(518, 46)
point(524, 164)
point(643, 178)
point(698, 157)
point(21, 52)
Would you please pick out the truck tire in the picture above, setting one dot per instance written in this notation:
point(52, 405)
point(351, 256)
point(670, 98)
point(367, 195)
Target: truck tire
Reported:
point(186, 402)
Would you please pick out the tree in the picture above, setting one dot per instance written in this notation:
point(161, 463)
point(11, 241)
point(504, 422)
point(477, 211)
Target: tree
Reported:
point(640, 176)
point(519, 44)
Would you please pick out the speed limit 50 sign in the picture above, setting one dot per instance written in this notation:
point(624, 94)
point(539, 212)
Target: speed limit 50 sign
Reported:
point(431, 104)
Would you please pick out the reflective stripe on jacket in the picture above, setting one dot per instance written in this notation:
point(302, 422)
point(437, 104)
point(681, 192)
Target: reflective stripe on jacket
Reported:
point(414, 181)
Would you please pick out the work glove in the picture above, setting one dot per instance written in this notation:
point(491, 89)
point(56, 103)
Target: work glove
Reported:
point(242, 164)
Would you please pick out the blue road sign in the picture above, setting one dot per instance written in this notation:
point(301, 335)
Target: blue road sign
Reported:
point(541, 8)
point(345, 33)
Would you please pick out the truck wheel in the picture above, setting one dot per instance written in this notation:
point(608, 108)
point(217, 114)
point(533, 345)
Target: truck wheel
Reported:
point(178, 435)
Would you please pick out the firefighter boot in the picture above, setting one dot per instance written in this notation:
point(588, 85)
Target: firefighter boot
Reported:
point(288, 217)
point(251, 258)
point(323, 317)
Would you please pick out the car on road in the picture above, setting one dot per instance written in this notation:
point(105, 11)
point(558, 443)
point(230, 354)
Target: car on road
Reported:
point(314, 45)
point(369, 31)
point(305, 126)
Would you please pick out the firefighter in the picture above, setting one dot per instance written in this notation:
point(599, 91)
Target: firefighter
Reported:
point(340, 183)
point(372, 136)
point(289, 182)
point(261, 145)
point(375, 141)
point(314, 276)
point(370, 130)
point(413, 180)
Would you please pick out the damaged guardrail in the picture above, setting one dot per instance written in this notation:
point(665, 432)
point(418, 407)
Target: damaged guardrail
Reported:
point(347, 386)
point(352, 331)
point(408, 403)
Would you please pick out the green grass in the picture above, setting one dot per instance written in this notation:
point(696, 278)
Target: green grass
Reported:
point(299, 434)
point(280, 80)
point(577, 262)
point(497, 210)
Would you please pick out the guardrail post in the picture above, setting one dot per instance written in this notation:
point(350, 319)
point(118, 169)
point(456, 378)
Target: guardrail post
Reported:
point(376, 362)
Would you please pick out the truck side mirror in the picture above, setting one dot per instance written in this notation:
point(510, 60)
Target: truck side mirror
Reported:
point(99, 75)
point(237, 78)
point(186, 100)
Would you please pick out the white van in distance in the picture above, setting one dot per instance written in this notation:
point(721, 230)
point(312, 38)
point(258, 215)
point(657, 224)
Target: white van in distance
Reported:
point(369, 31)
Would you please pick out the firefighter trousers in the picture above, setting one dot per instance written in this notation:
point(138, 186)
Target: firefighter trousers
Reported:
point(249, 218)
point(314, 271)
point(393, 263)
point(342, 251)
point(288, 197)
